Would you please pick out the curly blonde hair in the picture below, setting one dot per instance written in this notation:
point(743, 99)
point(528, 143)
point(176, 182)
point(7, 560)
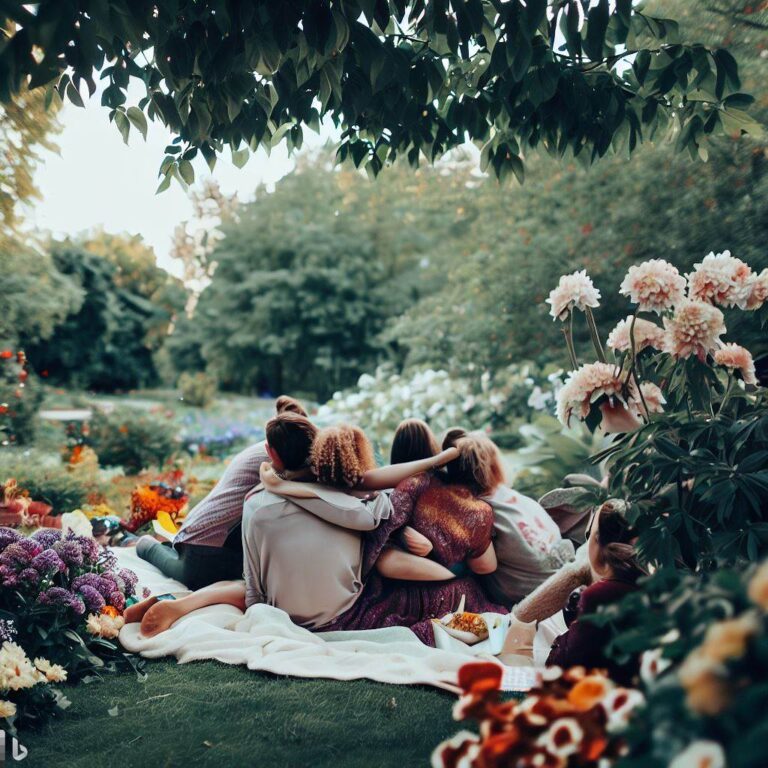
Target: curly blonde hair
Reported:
point(478, 466)
point(341, 455)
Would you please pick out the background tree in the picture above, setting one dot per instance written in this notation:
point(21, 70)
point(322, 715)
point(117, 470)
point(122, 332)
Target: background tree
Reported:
point(128, 303)
point(400, 78)
point(26, 128)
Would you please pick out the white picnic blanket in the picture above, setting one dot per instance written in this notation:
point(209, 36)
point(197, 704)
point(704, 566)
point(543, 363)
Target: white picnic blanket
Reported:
point(265, 639)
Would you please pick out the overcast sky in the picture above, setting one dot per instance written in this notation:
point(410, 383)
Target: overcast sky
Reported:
point(96, 180)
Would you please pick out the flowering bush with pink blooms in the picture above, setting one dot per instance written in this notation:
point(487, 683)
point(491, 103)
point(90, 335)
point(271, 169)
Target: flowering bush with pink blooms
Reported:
point(685, 400)
point(59, 589)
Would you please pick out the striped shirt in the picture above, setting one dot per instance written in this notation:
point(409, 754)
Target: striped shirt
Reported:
point(210, 522)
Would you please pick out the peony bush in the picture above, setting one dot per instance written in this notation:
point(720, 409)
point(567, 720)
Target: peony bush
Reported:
point(692, 419)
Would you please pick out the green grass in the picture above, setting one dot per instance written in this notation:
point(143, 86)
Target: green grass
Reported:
point(209, 714)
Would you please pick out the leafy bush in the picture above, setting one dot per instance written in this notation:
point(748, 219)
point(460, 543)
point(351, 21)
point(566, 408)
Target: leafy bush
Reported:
point(197, 389)
point(20, 398)
point(45, 480)
point(131, 440)
point(704, 639)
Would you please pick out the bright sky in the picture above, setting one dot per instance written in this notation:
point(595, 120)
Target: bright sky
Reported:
point(97, 181)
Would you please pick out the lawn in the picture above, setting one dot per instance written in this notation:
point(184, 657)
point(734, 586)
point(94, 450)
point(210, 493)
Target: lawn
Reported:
point(209, 714)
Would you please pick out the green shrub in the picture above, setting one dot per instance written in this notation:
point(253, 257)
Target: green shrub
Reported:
point(132, 440)
point(197, 389)
point(20, 398)
point(45, 480)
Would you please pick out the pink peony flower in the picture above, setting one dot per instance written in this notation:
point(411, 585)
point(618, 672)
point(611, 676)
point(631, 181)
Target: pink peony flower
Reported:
point(721, 279)
point(653, 396)
point(585, 386)
point(573, 291)
point(758, 292)
point(735, 357)
point(695, 329)
point(654, 285)
point(646, 333)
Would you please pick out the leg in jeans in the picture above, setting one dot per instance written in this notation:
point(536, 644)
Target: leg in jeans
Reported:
point(164, 557)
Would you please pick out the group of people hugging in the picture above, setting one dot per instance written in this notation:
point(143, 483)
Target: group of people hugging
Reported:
point(306, 522)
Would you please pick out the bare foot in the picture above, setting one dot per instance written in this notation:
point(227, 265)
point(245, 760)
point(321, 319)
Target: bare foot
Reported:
point(135, 612)
point(160, 617)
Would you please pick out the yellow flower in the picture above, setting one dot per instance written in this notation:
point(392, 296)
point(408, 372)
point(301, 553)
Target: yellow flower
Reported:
point(758, 587)
point(54, 673)
point(728, 639)
point(7, 709)
point(707, 690)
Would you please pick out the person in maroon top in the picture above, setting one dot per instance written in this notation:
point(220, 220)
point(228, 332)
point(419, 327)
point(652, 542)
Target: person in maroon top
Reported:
point(615, 572)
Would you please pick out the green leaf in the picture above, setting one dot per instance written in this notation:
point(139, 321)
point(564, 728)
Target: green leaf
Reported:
point(123, 125)
point(240, 157)
point(138, 119)
point(74, 95)
point(187, 171)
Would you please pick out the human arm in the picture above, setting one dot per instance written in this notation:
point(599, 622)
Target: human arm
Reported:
point(396, 564)
point(552, 595)
point(391, 476)
point(415, 542)
point(486, 563)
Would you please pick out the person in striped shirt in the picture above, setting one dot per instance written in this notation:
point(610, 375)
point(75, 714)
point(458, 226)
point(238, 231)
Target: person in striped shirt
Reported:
point(208, 548)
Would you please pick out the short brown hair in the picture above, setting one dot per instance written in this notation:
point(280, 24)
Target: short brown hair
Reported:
point(452, 435)
point(341, 456)
point(291, 435)
point(478, 466)
point(286, 403)
point(413, 440)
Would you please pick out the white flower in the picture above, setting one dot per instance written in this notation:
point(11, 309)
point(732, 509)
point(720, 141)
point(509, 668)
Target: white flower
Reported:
point(7, 709)
point(652, 664)
point(695, 329)
point(54, 673)
point(700, 754)
point(758, 292)
point(76, 522)
point(16, 671)
point(585, 386)
point(102, 625)
point(573, 291)
point(645, 333)
point(721, 279)
point(563, 738)
point(619, 705)
point(654, 285)
point(653, 398)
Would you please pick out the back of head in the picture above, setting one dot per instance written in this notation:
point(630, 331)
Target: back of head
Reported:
point(287, 404)
point(341, 455)
point(452, 435)
point(478, 466)
point(291, 436)
point(413, 440)
point(615, 539)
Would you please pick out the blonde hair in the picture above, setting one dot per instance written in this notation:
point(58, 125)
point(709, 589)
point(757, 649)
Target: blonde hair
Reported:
point(341, 455)
point(478, 465)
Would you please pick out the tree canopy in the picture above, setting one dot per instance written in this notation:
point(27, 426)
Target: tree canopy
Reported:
point(400, 78)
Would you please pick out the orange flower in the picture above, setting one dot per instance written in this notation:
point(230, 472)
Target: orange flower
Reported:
point(480, 677)
point(110, 610)
point(588, 692)
point(6, 354)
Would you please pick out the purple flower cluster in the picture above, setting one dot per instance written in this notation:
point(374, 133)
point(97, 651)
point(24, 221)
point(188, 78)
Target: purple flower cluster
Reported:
point(47, 537)
point(64, 598)
point(71, 572)
point(48, 562)
point(8, 536)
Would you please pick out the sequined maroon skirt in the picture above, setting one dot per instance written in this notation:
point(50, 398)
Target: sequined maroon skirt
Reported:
point(412, 604)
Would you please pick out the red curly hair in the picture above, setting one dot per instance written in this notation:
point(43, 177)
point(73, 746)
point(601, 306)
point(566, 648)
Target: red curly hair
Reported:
point(341, 455)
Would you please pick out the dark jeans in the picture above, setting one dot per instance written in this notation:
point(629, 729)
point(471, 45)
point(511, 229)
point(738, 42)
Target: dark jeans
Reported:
point(195, 565)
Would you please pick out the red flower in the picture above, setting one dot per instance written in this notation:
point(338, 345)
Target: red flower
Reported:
point(6, 354)
point(480, 677)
